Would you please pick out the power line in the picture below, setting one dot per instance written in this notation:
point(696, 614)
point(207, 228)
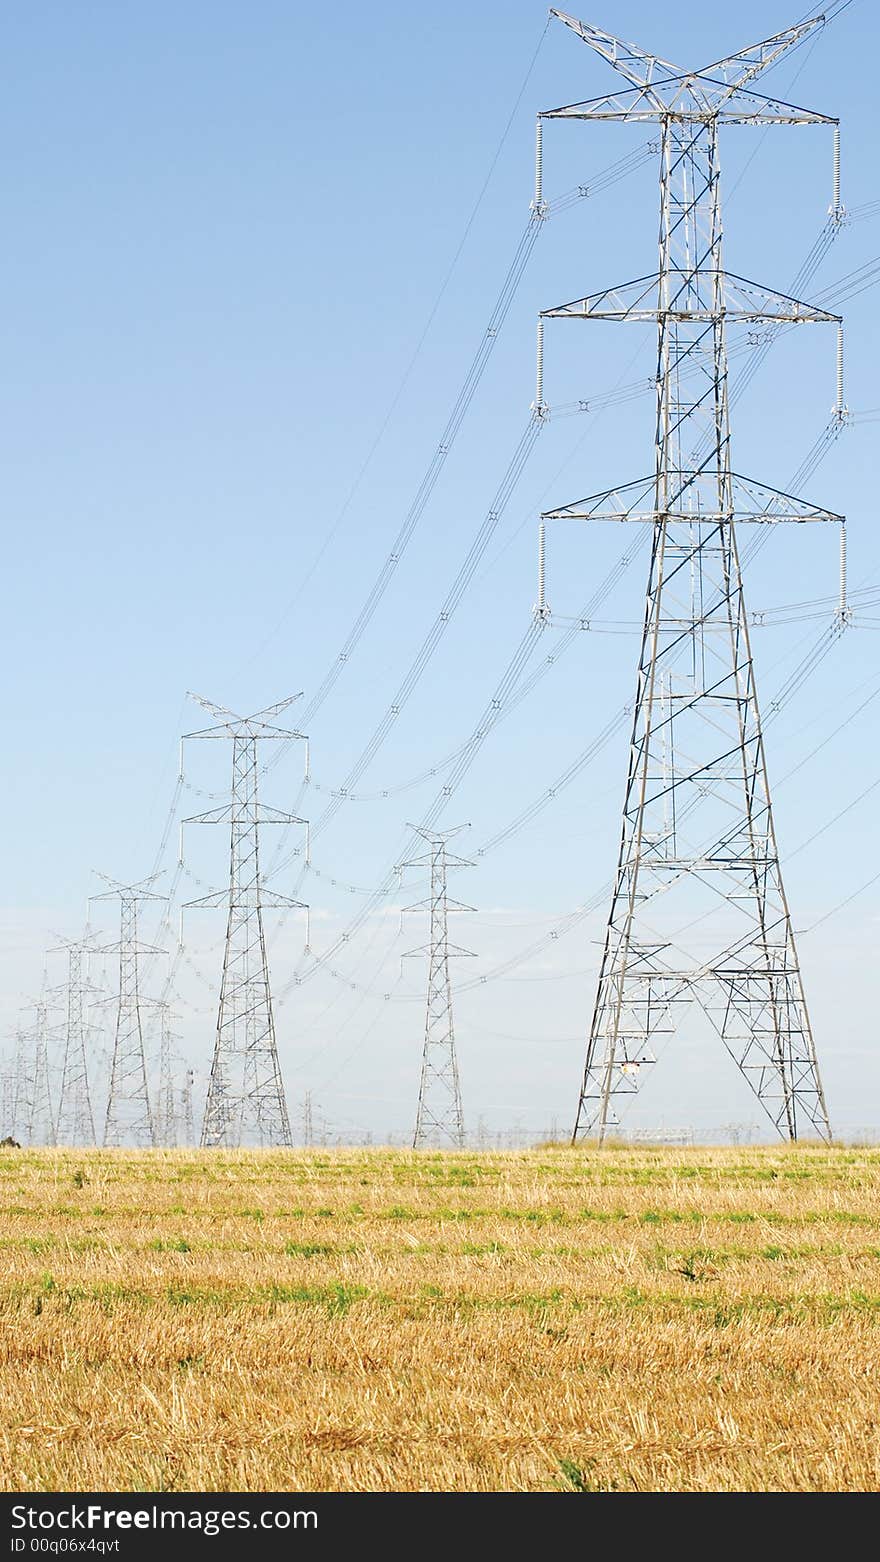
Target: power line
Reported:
point(407, 373)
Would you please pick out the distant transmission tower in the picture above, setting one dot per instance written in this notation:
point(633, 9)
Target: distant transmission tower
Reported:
point(39, 1116)
point(15, 1090)
point(697, 832)
point(246, 1102)
point(307, 1121)
point(439, 1114)
point(166, 1112)
point(189, 1134)
point(75, 1121)
point(7, 1099)
point(129, 1118)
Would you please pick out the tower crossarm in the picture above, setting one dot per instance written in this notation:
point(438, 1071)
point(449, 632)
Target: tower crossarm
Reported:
point(451, 905)
point(696, 498)
point(128, 892)
point(637, 107)
point(246, 727)
point(450, 949)
point(260, 813)
point(661, 91)
point(637, 65)
point(651, 70)
point(133, 945)
point(254, 899)
point(692, 294)
point(736, 70)
point(232, 725)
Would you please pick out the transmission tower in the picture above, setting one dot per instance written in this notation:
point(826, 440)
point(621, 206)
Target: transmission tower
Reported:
point(697, 833)
point(166, 1112)
point(246, 1102)
point(439, 1114)
point(129, 1117)
point(15, 1090)
point(187, 1104)
point(39, 1114)
point(8, 1101)
point(308, 1121)
point(76, 1123)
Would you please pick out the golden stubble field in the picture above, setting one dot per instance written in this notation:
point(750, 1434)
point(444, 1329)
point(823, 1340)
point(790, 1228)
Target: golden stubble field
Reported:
point(554, 1320)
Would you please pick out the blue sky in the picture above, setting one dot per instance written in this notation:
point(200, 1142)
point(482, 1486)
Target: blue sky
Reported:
point(226, 228)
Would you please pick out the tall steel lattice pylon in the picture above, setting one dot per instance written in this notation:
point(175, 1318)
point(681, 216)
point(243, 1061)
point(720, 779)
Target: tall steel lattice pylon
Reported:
point(439, 1115)
point(698, 836)
point(76, 1121)
point(246, 1102)
point(129, 1115)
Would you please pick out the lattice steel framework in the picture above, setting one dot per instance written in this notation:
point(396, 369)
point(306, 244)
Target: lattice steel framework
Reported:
point(697, 835)
point(76, 1121)
point(129, 1116)
point(246, 1101)
point(439, 1115)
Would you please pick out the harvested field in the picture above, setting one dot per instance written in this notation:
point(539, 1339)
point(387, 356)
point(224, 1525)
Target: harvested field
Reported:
point(550, 1320)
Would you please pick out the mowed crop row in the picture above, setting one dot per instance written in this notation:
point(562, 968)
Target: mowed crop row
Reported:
point(554, 1320)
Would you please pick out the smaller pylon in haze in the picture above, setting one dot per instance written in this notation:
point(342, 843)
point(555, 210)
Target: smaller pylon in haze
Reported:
point(39, 1116)
point(75, 1123)
point(189, 1137)
point(129, 1116)
point(166, 1111)
point(439, 1115)
point(13, 1104)
point(308, 1121)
